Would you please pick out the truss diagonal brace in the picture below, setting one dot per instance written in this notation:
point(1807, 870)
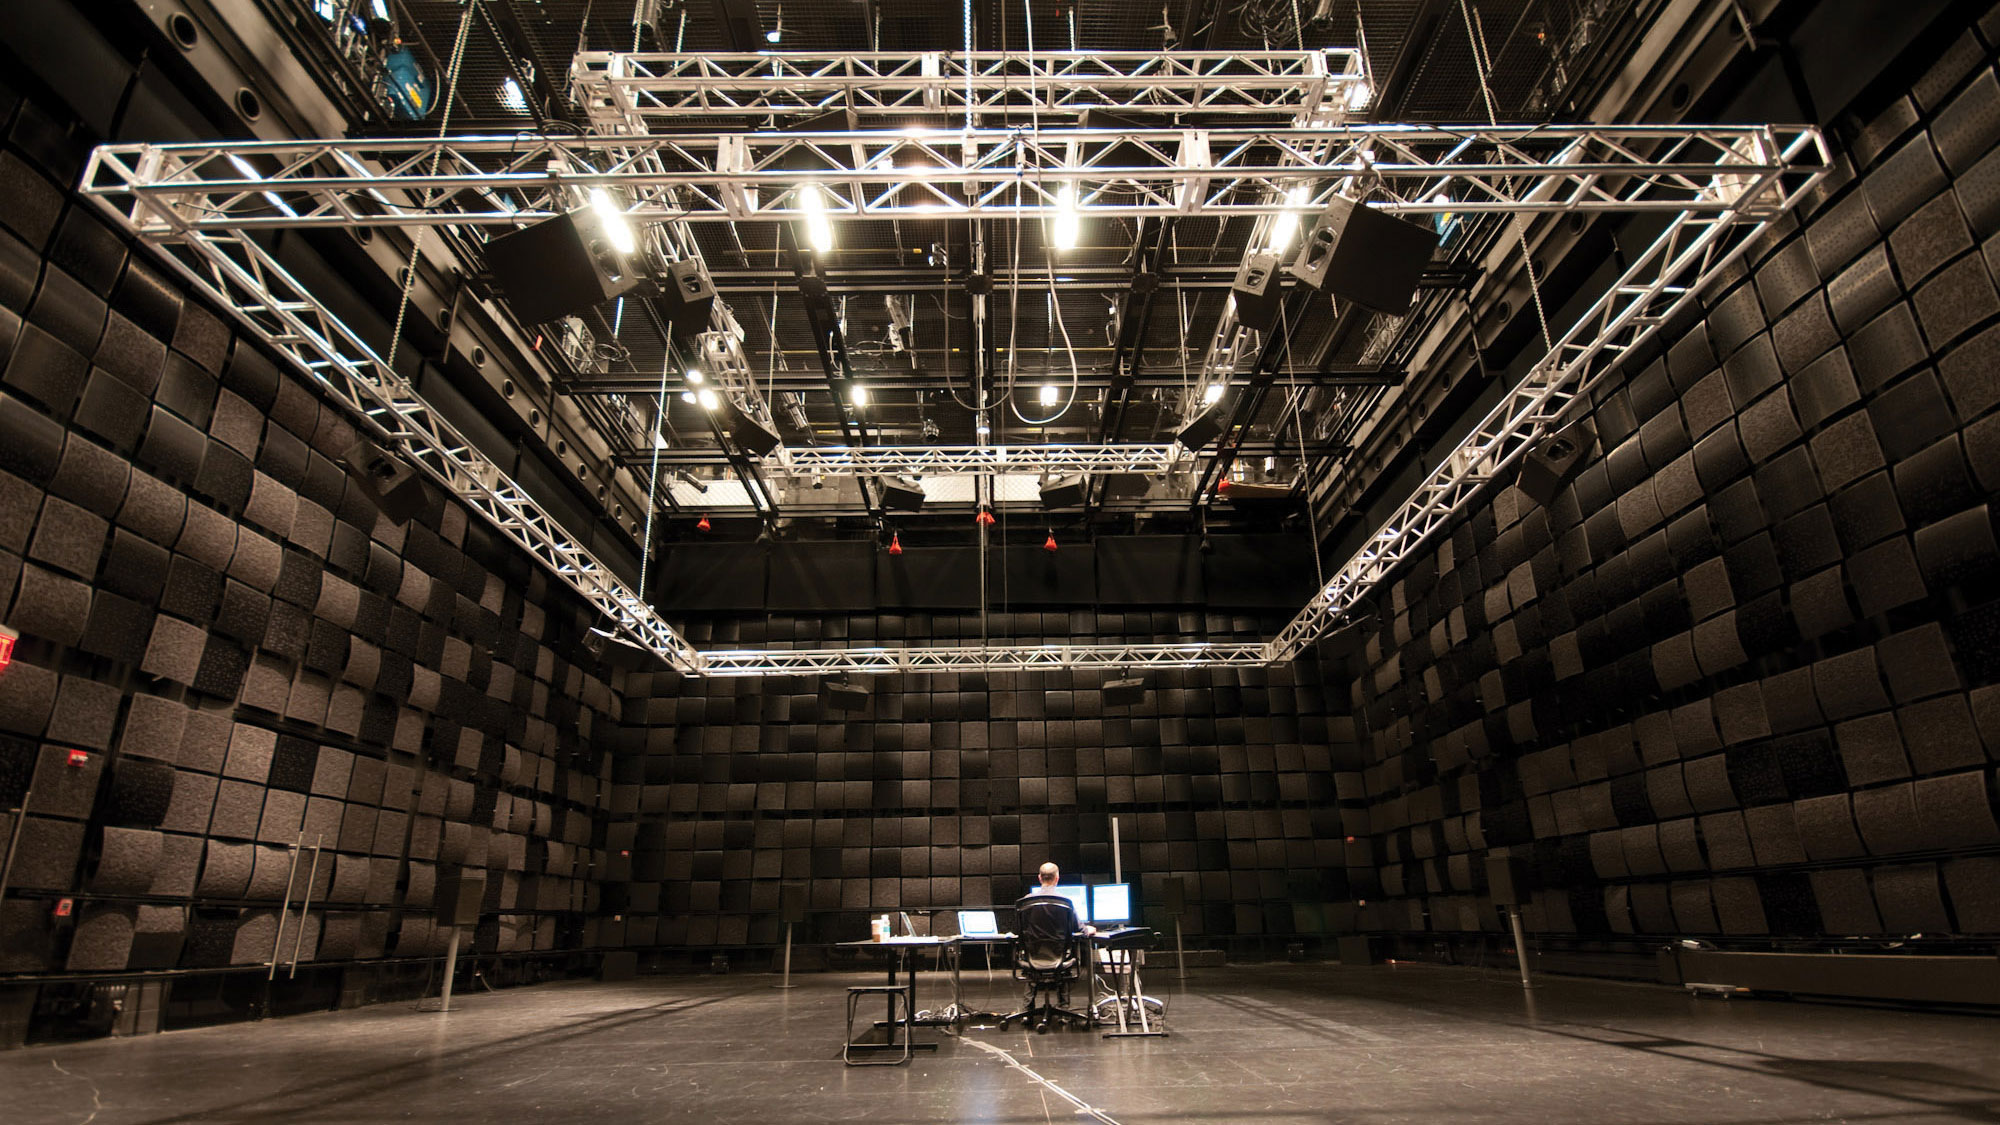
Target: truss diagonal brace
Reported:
point(987, 459)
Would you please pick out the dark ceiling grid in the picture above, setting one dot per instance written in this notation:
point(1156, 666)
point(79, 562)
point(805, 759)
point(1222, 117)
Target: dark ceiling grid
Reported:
point(1430, 77)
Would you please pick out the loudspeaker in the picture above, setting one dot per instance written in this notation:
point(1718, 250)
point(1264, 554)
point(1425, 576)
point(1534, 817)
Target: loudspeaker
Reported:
point(687, 296)
point(1372, 259)
point(901, 495)
point(1124, 693)
point(744, 430)
point(1062, 492)
point(393, 482)
point(1258, 292)
point(459, 893)
point(1206, 426)
point(846, 697)
point(1555, 460)
point(792, 902)
point(1507, 880)
point(1173, 893)
point(558, 267)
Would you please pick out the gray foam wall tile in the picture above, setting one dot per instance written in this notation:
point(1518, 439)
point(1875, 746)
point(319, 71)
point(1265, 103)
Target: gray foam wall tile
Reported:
point(103, 939)
point(239, 806)
point(193, 803)
point(65, 789)
point(85, 713)
point(226, 869)
point(180, 866)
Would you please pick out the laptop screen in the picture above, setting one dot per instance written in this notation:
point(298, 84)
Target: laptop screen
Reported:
point(977, 923)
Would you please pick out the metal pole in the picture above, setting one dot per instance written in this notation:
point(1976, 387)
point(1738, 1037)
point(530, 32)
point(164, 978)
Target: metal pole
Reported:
point(1179, 953)
point(1520, 947)
point(285, 907)
point(1117, 861)
point(787, 983)
point(305, 909)
point(450, 971)
point(13, 842)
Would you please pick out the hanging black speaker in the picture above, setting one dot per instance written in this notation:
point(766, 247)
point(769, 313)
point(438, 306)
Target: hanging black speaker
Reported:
point(687, 296)
point(744, 430)
point(1507, 880)
point(1365, 256)
point(1206, 426)
point(902, 495)
point(1258, 292)
point(846, 697)
point(460, 890)
point(1555, 460)
point(1062, 492)
point(390, 480)
point(792, 902)
point(558, 267)
point(1124, 693)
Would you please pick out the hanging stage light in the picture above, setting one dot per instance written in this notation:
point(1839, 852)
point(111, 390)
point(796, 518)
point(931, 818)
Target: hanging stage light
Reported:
point(819, 231)
point(985, 516)
point(703, 525)
point(895, 543)
point(1049, 544)
point(1067, 219)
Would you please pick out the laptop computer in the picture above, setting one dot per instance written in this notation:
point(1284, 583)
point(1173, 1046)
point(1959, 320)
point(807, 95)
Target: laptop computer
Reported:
point(978, 923)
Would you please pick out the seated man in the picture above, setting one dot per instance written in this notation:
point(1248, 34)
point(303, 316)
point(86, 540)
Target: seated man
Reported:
point(1052, 919)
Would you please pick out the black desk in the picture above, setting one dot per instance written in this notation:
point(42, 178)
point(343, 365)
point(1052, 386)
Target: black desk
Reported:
point(905, 961)
point(1122, 952)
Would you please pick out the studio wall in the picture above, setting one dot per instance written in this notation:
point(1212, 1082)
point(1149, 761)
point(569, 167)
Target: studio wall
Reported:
point(226, 649)
point(1741, 677)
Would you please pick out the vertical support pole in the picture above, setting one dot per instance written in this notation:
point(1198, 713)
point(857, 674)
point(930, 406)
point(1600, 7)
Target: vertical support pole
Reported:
point(13, 842)
point(285, 907)
point(1117, 860)
point(787, 982)
point(305, 909)
point(450, 971)
point(1520, 946)
point(1180, 954)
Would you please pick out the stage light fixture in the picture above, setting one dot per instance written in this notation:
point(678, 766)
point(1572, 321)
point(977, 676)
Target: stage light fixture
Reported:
point(707, 398)
point(612, 220)
point(1049, 544)
point(858, 395)
point(703, 525)
point(1285, 226)
point(1212, 394)
point(694, 377)
point(1049, 394)
point(895, 543)
point(511, 97)
point(819, 231)
point(689, 397)
point(1067, 220)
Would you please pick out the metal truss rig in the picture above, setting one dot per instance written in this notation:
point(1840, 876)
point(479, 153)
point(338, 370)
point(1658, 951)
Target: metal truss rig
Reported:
point(201, 205)
point(940, 460)
point(169, 190)
point(633, 93)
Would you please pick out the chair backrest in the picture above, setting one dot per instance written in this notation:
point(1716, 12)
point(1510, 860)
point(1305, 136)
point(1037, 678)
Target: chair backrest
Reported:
point(1044, 925)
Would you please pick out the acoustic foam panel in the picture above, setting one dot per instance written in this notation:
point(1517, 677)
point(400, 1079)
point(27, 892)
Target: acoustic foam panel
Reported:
point(157, 936)
point(45, 859)
point(256, 939)
point(103, 939)
point(141, 793)
point(64, 789)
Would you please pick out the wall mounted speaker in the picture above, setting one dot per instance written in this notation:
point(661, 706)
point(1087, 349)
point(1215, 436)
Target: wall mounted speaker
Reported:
point(1507, 880)
point(1555, 460)
point(846, 696)
point(687, 296)
point(792, 902)
point(392, 481)
point(558, 267)
point(902, 496)
point(1124, 693)
point(1206, 426)
point(1258, 291)
point(460, 890)
point(1365, 256)
point(1062, 492)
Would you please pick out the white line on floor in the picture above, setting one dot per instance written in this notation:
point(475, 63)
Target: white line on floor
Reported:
point(1081, 1106)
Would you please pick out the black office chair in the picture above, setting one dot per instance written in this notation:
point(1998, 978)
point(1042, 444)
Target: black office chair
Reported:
point(1045, 958)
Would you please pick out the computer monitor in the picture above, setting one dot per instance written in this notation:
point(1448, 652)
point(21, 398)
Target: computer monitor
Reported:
point(1078, 896)
point(978, 923)
point(1111, 902)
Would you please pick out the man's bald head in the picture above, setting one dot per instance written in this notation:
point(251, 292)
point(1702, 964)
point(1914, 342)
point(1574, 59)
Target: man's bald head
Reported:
point(1050, 874)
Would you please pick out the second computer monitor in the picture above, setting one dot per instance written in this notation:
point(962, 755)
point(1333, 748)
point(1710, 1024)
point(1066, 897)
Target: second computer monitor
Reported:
point(1079, 897)
point(1111, 902)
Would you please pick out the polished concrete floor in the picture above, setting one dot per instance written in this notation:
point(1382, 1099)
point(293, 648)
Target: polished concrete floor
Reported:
point(1277, 1043)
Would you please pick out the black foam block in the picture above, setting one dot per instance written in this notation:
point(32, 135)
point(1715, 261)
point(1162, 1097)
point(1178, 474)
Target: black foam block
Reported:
point(46, 857)
point(51, 606)
point(1909, 899)
point(30, 442)
point(127, 862)
point(1826, 828)
point(1886, 347)
point(46, 370)
point(91, 477)
point(103, 939)
point(140, 793)
point(1956, 298)
point(1957, 811)
point(117, 628)
point(172, 447)
point(1973, 883)
point(157, 937)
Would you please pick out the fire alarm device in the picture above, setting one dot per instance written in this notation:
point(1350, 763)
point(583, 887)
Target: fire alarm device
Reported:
point(79, 758)
point(64, 906)
point(7, 639)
